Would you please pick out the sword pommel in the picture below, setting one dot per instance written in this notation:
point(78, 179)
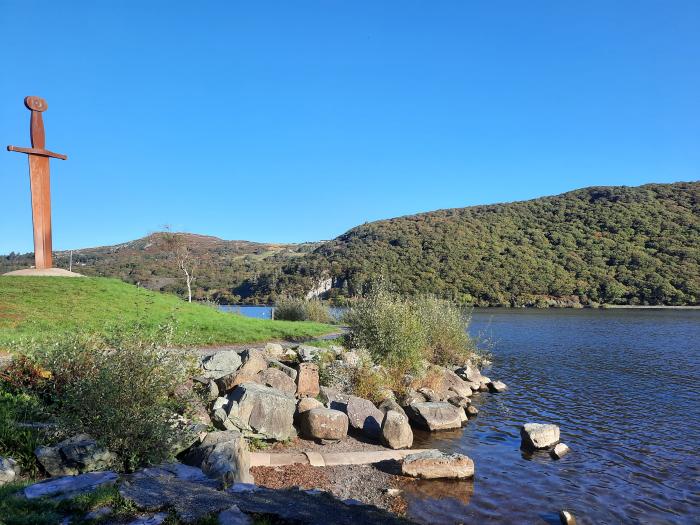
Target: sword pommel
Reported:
point(36, 104)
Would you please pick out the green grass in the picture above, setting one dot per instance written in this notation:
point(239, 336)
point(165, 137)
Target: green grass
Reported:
point(43, 308)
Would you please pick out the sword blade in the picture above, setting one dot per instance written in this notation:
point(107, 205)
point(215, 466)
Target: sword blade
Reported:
point(41, 210)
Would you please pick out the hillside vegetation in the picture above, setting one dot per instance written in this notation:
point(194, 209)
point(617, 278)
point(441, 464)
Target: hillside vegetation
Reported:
point(615, 245)
point(44, 308)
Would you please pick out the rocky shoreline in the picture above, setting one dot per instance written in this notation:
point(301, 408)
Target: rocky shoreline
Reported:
point(322, 446)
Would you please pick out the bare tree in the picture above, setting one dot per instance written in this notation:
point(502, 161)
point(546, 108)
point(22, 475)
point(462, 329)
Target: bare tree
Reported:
point(184, 258)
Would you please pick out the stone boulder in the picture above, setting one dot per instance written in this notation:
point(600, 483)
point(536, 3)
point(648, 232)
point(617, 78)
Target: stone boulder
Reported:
point(364, 416)
point(73, 456)
point(435, 416)
point(307, 403)
point(220, 364)
point(334, 399)
point(223, 456)
point(307, 380)
point(307, 353)
point(396, 430)
point(411, 397)
point(560, 450)
point(450, 384)
point(433, 464)
point(273, 363)
point(469, 373)
point(277, 379)
point(471, 411)
point(273, 351)
point(234, 516)
point(391, 404)
point(324, 423)
point(538, 435)
point(9, 470)
point(253, 363)
point(497, 386)
point(459, 401)
point(430, 395)
point(263, 410)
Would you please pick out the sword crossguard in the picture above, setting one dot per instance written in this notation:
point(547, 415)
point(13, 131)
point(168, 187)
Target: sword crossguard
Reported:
point(37, 151)
point(37, 106)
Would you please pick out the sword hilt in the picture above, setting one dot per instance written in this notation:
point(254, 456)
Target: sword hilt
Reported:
point(37, 151)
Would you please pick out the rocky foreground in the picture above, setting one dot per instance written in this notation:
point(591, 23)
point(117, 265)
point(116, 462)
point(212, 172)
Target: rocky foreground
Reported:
point(343, 450)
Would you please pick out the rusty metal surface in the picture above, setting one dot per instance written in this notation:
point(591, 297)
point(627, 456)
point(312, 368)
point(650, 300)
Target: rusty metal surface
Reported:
point(40, 181)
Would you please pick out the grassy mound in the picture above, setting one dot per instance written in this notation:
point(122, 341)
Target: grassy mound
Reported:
point(42, 308)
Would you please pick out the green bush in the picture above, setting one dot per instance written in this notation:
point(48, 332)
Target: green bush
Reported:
point(295, 309)
point(17, 440)
point(123, 395)
point(403, 333)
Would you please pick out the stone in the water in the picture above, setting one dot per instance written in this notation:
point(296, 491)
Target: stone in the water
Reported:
point(307, 380)
point(277, 379)
point(560, 450)
point(264, 410)
point(497, 386)
point(471, 411)
point(364, 416)
point(435, 416)
point(324, 423)
point(9, 470)
point(234, 516)
point(538, 435)
point(567, 518)
point(433, 464)
point(396, 431)
point(70, 486)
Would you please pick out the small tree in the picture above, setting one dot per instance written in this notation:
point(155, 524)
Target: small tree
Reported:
point(184, 258)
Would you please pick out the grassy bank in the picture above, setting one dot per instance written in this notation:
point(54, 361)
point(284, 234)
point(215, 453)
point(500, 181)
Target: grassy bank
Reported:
point(43, 308)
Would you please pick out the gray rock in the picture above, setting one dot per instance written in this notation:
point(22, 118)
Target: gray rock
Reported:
point(265, 410)
point(324, 423)
point(497, 386)
point(70, 486)
point(411, 397)
point(155, 519)
point(396, 430)
point(560, 450)
point(307, 403)
point(430, 395)
point(364, 416)
point(253, 362)
point(352, 359)
point(223, 456)
point(308, 353)
point(234, 516)
point(391, 404)
point(281, 366)
point(334, 399)
point(469, 373)
point(435, 416)
point(9, 470)
point(459, 401)
point(273, 351)
point(277, 379)
point(434, 464)
point(74, 455)
point(190, 501)
point(451, 384)
point(221, 363)
point(538, 435)
point(471, 411)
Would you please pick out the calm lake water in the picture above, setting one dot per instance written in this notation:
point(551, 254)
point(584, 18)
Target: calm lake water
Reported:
point(624, 387)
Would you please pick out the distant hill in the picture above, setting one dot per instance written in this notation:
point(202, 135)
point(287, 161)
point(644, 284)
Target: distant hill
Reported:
point(618, 245)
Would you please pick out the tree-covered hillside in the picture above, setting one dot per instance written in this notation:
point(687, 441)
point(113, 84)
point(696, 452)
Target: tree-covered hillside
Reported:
point(620, 245)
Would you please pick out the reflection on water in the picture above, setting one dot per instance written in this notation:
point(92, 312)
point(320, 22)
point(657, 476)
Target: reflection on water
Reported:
point(623, 385)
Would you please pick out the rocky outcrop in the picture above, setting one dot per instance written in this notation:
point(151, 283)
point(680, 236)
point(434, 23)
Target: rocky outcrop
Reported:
point(324, 424)
point(364, 416)
point(435, 464)
point(223, 456)
point(538, 435)
point(9, 470)
point(435, 416)
point(262, 410)
point(75, 455)
point(307, 380)
point(396, 430)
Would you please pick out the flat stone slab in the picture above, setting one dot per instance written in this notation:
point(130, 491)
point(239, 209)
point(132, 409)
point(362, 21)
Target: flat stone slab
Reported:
point(436, 465)
point(69, 486)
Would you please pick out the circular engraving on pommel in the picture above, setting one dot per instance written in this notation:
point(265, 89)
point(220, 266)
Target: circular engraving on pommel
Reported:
point(36, 103)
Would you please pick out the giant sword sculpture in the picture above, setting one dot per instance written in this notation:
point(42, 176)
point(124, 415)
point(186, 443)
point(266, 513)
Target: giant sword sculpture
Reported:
point(39, 182)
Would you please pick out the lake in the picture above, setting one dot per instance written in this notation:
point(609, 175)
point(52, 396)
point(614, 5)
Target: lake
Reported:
point(624, 387)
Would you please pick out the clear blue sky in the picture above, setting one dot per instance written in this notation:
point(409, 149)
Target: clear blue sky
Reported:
point(291, 121)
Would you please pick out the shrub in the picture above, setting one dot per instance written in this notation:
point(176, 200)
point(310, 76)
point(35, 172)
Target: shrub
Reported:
point(295, 309)
point(17, 441)
point(402, 334)
point(122, 395)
